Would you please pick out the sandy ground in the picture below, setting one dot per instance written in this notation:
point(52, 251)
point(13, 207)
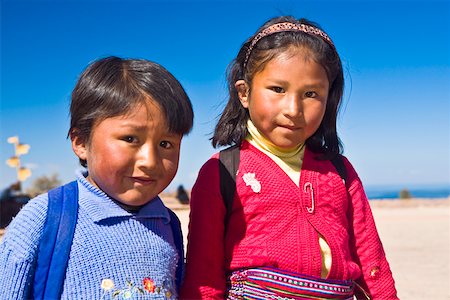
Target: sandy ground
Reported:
point(415, 234)
point(416, 237)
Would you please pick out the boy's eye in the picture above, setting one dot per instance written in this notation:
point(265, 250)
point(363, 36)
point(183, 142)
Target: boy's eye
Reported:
point(277, 89)
point(165, 144)
point(310, 94)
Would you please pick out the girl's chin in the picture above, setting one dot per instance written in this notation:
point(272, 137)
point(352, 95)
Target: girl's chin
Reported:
point(287, 145)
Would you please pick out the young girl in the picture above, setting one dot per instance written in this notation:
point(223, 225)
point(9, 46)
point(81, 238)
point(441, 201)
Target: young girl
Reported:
point(295, 230)
point(127, 121)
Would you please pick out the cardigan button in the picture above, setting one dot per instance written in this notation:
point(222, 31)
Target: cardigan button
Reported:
point(374, 272)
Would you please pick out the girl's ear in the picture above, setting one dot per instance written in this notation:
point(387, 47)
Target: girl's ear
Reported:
point(242, 90)
point(78, 145)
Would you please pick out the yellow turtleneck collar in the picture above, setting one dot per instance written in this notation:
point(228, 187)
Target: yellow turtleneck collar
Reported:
point(290, 160)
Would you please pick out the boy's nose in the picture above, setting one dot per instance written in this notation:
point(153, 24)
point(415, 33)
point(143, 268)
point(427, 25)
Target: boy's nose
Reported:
point(148, 157)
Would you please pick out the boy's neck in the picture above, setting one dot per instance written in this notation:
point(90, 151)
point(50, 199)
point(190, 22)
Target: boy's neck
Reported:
point(129, 208)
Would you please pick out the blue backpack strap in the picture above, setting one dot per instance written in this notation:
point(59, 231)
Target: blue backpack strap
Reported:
point(178, 240)
point(56, 240)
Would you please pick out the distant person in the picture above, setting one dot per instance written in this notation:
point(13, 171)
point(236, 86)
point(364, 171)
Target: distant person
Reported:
point(128, 117)
point(182, 195)
point(295, 229)
point(11, 202)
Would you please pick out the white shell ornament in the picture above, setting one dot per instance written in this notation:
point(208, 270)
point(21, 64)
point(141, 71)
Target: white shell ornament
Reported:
point(250, 180)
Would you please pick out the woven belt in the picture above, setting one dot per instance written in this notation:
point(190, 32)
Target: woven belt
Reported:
point(271, 283)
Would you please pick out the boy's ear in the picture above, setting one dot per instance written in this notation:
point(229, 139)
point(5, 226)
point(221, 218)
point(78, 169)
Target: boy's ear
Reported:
point(78, 145)
point(242, 90)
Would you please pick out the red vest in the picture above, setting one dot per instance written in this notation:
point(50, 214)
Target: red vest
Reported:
point(276, 223)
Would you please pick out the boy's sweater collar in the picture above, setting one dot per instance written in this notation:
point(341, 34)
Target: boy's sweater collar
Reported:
point(99, 206)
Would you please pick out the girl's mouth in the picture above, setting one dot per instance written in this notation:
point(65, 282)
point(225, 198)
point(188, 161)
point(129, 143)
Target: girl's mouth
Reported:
point(293, 128)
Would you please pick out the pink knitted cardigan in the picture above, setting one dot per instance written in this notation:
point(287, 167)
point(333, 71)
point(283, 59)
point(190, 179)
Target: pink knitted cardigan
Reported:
point(276, 223)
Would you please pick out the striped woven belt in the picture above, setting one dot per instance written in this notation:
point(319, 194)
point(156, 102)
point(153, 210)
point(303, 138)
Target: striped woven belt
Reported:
point(271, 283)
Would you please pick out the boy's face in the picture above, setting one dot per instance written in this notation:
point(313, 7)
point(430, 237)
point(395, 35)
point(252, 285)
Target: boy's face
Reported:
point(132, 157)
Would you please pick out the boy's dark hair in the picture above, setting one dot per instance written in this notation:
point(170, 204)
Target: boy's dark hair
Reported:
point(232, 125)
point(112, 86)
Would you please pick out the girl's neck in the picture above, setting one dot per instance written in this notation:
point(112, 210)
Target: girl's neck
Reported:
point(255, 137)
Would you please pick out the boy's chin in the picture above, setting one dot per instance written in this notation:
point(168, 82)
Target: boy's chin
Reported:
point(135, 201)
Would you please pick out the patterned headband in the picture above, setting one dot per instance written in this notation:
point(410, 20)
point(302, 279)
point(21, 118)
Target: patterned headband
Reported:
point(287, 26)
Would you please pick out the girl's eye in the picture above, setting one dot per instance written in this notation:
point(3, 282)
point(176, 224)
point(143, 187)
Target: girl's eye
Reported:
point(310, 94)
point(129, 139)
point(165, 144)
point(277, 89)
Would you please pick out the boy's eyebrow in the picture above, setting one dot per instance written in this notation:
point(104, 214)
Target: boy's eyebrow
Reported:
point(134, 126)
point(139, 127)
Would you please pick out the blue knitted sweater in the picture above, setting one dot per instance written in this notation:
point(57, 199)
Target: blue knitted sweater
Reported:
point(114, 254)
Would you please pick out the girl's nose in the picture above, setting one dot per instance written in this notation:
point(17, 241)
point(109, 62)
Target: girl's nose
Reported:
point(292, 107)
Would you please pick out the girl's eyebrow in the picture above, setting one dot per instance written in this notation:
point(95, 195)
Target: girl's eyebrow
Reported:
point(317, 84)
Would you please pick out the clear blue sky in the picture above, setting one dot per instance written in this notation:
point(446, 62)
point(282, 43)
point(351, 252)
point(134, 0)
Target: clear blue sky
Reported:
point(395, 124)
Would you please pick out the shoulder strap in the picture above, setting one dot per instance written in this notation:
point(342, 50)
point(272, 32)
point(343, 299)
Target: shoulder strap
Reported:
point(338, 163)
point(229, 163)
point(178, 240)
point(55, 243)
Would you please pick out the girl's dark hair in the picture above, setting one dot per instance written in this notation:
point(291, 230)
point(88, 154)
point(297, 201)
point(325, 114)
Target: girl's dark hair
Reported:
point(112, 86)
point(232, 125)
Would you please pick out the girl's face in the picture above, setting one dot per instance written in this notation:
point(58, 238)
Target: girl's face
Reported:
point(288, 98)
point(131, 157)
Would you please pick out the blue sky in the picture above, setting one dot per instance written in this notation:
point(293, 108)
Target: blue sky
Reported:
point(395, 121)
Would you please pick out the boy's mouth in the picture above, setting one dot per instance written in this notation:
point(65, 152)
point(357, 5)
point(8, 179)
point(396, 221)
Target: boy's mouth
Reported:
point(143, 180)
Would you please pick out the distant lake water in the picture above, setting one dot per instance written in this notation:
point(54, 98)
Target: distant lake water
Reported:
point(392, 192)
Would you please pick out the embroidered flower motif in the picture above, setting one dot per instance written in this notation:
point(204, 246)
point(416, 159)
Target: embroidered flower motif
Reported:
point(149, 285)
point(107, 284)
point(126, 294)
point(250, 180)
point(131, 290)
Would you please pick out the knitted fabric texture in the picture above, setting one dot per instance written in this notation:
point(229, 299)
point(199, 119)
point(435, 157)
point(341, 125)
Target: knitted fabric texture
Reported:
point(278, 226)
point(114, 253)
